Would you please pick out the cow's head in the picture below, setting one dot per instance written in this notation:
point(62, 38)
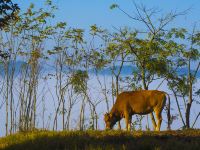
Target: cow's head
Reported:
point(109, 120)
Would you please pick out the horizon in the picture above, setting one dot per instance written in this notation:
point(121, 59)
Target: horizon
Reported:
point(127, 69)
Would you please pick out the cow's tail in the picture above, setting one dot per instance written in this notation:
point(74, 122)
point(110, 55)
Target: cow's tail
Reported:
point(168, 112)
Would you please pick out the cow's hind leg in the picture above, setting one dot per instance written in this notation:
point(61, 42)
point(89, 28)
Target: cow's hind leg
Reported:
point(159, 119)
point(153, 121)
point(127, 120)
point(158, 112)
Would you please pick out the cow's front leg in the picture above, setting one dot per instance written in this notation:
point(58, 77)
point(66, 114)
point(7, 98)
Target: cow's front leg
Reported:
point(129, 123)
point(119, 125)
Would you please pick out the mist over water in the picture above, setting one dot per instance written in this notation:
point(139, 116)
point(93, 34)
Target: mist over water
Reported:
point(47, 103)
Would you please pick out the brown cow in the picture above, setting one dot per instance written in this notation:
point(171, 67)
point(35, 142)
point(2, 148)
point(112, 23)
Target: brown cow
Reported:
point(137, 102)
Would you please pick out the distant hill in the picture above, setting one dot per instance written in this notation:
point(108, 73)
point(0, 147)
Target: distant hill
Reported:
point(126, 70)
point(17, 65)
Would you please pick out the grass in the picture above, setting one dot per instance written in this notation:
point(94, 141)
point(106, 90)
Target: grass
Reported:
point(102, 140)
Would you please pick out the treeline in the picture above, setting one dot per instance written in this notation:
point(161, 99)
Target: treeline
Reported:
point(157, 52)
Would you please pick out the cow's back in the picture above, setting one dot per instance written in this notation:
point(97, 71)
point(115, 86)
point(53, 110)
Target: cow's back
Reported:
point(139, 102)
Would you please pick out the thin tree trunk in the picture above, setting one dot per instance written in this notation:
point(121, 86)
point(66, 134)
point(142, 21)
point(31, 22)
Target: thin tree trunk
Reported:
point(146, 88)
point(7, 103)
point(81, 118)
point(189, 104)
point(196, 120)
point(178, 106)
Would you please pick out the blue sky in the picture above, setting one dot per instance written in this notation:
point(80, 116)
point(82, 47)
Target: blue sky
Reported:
point(83, 13)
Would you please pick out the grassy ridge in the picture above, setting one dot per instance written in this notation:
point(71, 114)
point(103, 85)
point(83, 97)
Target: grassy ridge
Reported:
point(100, 140)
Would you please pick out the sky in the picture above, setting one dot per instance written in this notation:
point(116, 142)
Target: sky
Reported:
point(83, 13)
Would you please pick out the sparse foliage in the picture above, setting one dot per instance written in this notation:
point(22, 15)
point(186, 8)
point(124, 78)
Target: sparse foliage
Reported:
point(155, 53)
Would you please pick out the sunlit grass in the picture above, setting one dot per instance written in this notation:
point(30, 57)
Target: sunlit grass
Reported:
point(99, 140)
